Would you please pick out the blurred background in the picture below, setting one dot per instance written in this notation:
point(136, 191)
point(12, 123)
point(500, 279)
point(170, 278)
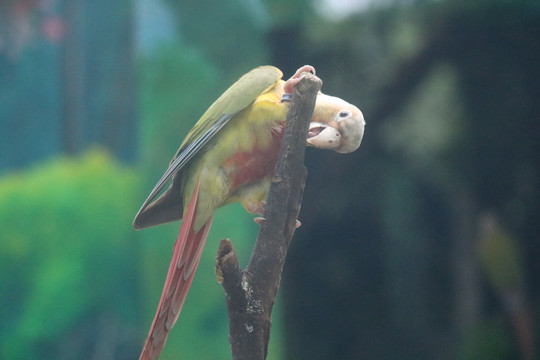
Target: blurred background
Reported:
point(424, 244)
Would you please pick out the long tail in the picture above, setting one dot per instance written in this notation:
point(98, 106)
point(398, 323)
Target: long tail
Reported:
point(186, 255)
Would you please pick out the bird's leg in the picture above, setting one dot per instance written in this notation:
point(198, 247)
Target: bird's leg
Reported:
point(297, 77)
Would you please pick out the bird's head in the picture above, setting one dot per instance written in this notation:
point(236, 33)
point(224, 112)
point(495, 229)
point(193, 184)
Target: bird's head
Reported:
point(336, 125)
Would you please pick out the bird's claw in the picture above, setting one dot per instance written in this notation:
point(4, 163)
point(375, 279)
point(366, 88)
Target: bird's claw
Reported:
point(256, 207)
point(289, 85)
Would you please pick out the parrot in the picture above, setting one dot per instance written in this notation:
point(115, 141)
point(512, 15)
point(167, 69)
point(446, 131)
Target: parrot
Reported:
point(229, 156)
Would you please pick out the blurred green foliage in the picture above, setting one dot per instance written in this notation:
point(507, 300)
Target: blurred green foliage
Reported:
point(491, 340)
point(65, 232)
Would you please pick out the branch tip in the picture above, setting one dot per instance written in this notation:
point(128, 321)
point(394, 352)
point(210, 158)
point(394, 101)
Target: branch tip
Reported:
point(227, 265)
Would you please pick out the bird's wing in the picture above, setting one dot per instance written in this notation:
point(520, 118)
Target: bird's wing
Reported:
point(239, 96)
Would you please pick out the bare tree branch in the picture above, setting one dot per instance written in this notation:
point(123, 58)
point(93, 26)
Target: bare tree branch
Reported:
point(251, 293)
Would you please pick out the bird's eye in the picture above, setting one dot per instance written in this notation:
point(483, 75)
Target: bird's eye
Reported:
point(344, 113)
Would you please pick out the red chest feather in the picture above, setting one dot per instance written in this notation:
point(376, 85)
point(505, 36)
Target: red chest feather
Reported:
point(246, 167)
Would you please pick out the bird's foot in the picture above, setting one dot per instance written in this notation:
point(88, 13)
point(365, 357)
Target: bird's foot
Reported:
point(289, 85)
point(256, 207)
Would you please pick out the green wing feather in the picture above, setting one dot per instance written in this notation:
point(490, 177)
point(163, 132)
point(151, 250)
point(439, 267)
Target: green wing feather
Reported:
point(239, 96)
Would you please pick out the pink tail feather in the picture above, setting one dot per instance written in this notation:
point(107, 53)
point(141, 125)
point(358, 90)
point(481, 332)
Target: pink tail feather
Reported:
point(186, 255)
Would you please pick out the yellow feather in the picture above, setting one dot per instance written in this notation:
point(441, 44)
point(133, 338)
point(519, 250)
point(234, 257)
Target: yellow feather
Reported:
point(251, 126)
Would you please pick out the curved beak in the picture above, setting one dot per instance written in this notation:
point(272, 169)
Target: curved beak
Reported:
point(323, 136)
